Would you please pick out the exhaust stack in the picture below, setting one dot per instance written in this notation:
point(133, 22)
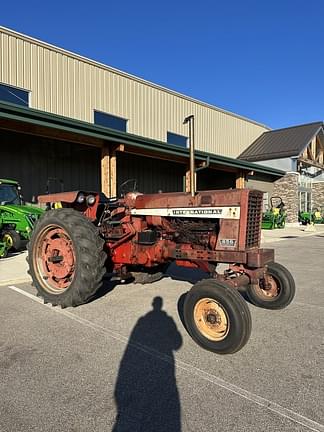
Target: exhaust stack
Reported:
point(191, 120)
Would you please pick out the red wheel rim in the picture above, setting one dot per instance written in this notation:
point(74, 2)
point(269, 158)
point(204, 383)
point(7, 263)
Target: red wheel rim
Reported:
point(55, 259)
point(272, 291)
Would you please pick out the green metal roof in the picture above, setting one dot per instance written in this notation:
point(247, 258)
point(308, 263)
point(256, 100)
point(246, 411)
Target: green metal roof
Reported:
point(41, 118)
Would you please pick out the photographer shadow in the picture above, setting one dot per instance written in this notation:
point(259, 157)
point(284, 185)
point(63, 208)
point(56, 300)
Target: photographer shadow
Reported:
point(146, 392)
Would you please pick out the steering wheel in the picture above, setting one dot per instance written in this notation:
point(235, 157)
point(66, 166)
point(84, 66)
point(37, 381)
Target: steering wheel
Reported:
point(129, 185)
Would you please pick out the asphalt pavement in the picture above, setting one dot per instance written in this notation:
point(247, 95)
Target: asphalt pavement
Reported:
point(124, 363)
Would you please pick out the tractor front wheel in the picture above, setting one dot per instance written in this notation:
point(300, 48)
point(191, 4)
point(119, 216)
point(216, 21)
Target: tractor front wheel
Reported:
point(13, 240)
point(217, 317)
point(66, 258)
point(275, 292)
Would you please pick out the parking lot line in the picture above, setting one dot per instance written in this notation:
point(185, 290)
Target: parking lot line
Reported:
point(252, 397)
point(308, 304)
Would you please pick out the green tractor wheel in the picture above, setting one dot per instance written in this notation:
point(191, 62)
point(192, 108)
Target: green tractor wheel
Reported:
point(12, 239)
point(3, 249)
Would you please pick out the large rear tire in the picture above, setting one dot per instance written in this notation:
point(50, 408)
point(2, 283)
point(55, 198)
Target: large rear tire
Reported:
point(217, 317)
point(66, 258)
point(280, 292)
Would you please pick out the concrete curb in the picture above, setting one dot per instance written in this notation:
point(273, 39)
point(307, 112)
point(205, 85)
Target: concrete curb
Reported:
point(276, 239)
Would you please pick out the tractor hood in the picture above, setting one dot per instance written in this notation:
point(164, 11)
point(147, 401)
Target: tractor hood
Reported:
point(22, 209)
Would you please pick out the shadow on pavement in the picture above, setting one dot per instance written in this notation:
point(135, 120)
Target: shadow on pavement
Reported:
point(106, 287)
point(146, 392)
point(186, 274)
point(180, 307)
point(289, 237)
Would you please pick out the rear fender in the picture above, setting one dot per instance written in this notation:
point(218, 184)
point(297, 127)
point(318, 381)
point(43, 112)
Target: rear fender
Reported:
point(70, 199)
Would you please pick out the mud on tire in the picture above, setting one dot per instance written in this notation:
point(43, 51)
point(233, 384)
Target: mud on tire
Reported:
point(66, 258)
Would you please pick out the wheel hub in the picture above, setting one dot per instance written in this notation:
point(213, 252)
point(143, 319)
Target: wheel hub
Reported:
point(56, 259)
point(211, 319)
point(269, 287)
point(8, 240)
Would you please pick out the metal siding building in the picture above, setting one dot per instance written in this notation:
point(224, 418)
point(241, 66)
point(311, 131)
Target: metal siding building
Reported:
point(67, 84)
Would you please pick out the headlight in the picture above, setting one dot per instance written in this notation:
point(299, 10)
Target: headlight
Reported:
point(81, 198)
point(91, 199)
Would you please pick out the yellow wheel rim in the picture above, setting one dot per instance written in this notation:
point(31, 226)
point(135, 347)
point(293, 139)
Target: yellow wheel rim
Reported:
point(211, 319)
point(8, 240)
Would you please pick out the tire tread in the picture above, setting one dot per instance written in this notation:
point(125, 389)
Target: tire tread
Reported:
point(89, 248)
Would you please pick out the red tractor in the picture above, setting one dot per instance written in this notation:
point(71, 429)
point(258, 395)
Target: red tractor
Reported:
point(136, 236)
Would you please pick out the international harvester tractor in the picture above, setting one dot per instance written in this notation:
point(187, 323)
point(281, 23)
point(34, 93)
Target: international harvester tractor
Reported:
point(136, 236)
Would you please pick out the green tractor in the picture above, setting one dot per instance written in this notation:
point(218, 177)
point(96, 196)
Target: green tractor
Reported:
point(275, 217)
point(316, 216)
point(17, 220)
point(4, 245)
point(305, 217)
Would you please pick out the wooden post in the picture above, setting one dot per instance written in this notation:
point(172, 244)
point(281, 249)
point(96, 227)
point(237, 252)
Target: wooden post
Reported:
point(188, 181)
point(105, 170)
point(240, 180)
point(113, 174)
point(109, 169)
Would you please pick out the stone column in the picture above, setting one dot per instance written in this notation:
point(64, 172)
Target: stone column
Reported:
point(318, 194)
point(287, 188)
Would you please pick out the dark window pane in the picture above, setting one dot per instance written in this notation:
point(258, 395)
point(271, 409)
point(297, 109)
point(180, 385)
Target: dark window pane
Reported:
point(176, 139)
point(13, 95)
point(110, 121)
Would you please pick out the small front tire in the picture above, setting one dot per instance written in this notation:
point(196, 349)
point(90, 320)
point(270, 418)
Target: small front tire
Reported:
point(280, 293)
point(217, 317)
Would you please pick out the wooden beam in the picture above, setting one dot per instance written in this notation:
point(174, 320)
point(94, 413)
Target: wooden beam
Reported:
point(319, 150)
point(311, 163)
point(109, 168)
point(113, 173)
point(305, 153)
point(240, 180)
point(49, 132)
point(105, 170)
point(313, 148)
point(118, 147)
point(310, 154)
point(187, 180)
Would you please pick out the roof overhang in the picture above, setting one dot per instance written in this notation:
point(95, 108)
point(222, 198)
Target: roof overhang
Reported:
point(40, 123)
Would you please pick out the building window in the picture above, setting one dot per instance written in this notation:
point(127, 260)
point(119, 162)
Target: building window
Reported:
point(178, 140)
point(110, 121)
point(305, 201)
point(14, 95)
point(265, 204)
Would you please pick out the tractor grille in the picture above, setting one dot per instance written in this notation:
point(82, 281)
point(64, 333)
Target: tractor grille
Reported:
point(254, 218)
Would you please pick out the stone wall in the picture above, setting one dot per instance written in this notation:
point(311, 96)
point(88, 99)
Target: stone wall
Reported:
point(318, 194)
point(287, 188)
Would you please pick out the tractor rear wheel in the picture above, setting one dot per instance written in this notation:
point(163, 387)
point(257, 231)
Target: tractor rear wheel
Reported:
point(66, 258)
point(217, 317)
point(279, 292)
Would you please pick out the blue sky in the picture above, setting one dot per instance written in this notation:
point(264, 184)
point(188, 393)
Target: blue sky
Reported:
point(261, 59)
